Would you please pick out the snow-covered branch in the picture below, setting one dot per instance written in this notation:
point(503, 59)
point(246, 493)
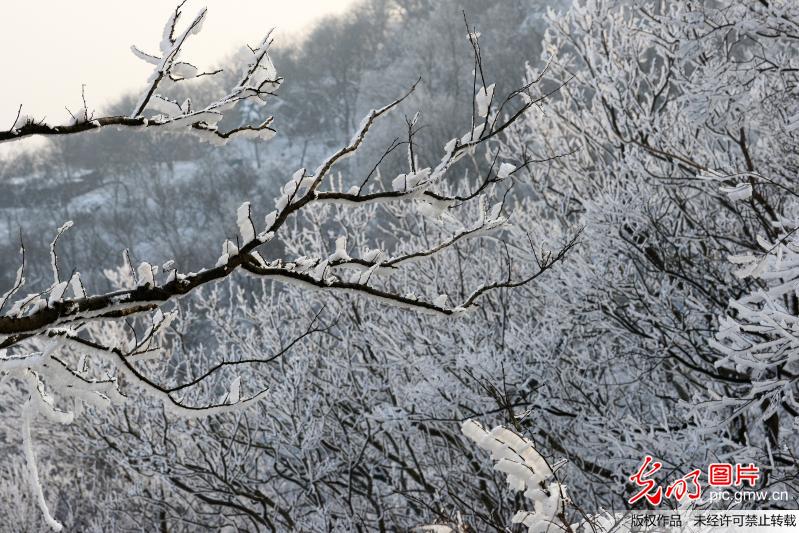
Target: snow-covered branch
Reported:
point(155, 109)
point(527, 471)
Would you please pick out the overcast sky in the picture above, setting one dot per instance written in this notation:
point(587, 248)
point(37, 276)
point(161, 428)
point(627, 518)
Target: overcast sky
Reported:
point(49, 48)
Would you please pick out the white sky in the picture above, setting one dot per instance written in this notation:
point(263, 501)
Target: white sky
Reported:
point(49, 48)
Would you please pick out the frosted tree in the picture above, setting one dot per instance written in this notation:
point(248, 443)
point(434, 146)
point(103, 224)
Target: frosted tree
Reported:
point(681, 117)
point(67, 346)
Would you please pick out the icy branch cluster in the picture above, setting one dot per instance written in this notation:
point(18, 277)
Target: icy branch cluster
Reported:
point(759, 335)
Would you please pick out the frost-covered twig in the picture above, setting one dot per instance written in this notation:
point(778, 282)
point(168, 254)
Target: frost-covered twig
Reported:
point(156, 110)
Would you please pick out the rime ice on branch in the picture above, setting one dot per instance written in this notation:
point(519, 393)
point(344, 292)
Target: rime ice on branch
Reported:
point(155, 109)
